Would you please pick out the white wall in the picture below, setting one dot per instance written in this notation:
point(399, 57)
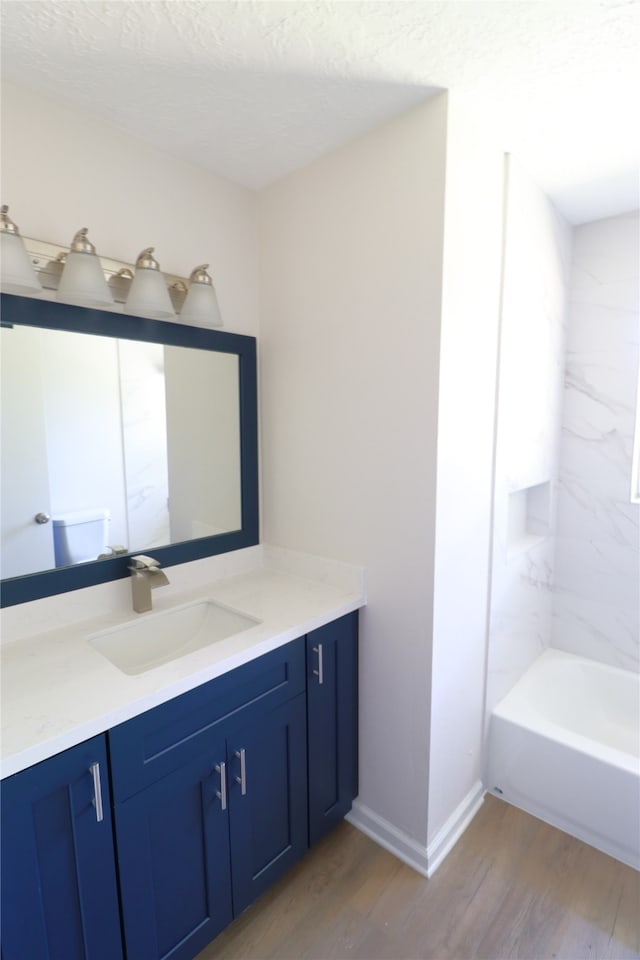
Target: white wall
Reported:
point(351, 269)
point(380, 279)
point(467, 379)
point(533, 326)
point(596, 603)
point(62, 170)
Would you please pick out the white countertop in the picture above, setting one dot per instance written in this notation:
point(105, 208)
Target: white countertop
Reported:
point(57, 690)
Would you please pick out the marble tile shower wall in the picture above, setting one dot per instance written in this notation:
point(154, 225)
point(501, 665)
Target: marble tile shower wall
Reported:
point(596, 599)
point(535, 277)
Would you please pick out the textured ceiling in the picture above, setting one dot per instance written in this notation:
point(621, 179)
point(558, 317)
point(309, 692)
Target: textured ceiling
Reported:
point(253, 90)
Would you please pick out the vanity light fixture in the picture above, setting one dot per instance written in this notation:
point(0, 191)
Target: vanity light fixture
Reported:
point(77, 275)
point(18, 274)
point(201, 304)
point(148, 296)
point(82, 281)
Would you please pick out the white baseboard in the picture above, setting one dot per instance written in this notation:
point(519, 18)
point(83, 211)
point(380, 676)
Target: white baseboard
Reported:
point(453, 828)
point(427, 859)
point(389, 837)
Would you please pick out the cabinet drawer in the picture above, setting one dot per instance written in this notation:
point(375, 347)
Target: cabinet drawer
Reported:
point(154, 744)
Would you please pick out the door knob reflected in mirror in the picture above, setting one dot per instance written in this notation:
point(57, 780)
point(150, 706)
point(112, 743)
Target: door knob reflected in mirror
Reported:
point(42, 518)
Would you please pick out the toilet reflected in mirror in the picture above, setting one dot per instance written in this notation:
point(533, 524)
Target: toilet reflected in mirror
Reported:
point(80, 536)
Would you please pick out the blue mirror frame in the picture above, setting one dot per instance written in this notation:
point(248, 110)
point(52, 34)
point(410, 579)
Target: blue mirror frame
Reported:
point(45, 313)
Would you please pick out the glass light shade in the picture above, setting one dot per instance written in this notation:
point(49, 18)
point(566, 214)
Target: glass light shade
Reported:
point(201, 306)
point(82, 281)
point(148, 296)
point(17, 274)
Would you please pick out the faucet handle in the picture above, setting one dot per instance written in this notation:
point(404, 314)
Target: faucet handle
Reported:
point(142, 562)
point(113, 551)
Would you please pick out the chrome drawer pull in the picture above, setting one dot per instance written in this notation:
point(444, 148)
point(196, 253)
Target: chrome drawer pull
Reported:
point(94, 770)
point(242, 779)
point(221, 794)
point(319, 673)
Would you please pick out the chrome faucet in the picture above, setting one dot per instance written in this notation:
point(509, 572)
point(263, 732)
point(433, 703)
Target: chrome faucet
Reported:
point(145, 576)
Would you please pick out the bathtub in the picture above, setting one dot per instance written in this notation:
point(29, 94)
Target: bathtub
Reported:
point(564, 745)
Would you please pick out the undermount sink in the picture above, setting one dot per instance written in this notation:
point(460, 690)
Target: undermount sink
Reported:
point(162, 637)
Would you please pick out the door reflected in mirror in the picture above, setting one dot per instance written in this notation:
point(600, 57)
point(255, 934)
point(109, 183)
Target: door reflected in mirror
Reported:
point(142, 437)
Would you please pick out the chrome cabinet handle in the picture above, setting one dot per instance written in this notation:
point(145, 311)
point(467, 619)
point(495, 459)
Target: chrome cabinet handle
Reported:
point(221, 794)
point(242, 779)
point(94, 770)
point(42, 518)
point(319, 673)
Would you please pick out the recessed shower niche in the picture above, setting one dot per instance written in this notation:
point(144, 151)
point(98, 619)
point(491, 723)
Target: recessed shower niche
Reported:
point(529, 518)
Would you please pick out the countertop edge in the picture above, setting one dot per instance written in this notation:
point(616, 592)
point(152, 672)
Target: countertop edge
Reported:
point(47, 748)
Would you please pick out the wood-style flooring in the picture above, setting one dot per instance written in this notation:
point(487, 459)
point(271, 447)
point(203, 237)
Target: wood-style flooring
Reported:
point(511, 887)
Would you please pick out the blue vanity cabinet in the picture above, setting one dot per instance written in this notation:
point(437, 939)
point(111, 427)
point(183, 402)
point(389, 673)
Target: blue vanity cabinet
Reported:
point(268, 823)
point(59, 893)
point(332, 722)
point(210, 806)
point(206, 801)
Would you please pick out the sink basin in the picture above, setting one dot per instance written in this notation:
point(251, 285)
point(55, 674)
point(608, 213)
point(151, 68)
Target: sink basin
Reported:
point(162, 637)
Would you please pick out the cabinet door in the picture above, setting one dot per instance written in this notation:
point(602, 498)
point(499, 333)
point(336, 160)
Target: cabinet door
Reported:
point(59, 895)
point(173, 855)
point(332, 704)
point(268, 799)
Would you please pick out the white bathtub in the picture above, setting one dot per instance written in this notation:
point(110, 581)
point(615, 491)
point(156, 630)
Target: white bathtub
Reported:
point(564, 745)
